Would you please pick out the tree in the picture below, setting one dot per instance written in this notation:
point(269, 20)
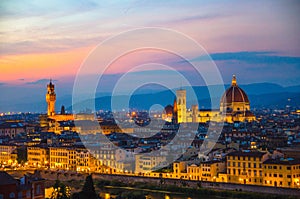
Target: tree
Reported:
point(22, 154)
point(60, 191)
point(88, 190)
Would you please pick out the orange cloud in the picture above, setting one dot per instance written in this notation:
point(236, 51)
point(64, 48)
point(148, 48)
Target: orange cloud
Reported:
point(42, 65)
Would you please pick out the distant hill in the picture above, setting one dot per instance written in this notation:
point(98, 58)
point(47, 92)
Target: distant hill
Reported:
point(260, 95)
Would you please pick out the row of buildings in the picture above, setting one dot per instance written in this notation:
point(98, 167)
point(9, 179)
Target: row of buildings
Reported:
point(234, 159)
point(242, 167)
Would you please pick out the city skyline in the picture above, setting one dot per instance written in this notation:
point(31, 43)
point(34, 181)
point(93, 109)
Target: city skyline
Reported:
point(147, 99)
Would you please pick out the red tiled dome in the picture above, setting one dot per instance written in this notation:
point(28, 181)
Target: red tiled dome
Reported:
point(234, 94)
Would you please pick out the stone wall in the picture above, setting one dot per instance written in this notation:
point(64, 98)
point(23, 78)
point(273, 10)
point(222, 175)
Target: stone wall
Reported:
point(68, 176)
point(195, 184)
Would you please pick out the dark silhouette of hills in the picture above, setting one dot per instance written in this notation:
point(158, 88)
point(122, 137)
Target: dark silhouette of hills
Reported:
point(260, 94)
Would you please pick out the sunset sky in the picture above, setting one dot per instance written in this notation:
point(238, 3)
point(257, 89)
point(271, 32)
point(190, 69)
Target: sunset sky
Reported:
point(256, 40)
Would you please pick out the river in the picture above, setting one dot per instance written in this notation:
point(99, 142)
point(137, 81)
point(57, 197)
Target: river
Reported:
point(112, 192)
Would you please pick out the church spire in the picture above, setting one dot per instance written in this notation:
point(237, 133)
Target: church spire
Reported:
point(233, 81)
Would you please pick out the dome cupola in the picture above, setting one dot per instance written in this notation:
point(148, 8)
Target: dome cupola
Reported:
point(234, 99)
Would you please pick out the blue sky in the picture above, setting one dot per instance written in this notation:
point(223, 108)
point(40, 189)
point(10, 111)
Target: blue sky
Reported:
point(256, 40)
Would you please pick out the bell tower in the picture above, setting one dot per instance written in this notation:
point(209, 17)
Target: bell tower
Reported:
point(181, 105)
point(50, 99)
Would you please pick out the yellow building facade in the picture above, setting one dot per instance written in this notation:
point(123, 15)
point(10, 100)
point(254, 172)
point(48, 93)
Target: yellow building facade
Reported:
point(8, 155)
point(282, 173)
point(246, 167)
point(38, 156)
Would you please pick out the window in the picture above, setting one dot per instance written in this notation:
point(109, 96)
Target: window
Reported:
point(275, 167)
point(280, 175)
point(289, 176)
point(275, 175)
point(12, 195)
point(288, 168)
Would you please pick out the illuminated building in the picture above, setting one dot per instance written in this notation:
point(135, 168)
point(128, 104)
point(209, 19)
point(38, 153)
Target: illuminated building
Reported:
point(38, 156)
point(246, 167)
point(283, 172)
point(205, 171)
point(181, 105)
point(234, 106)
point(52, 119)
point(179, 168)
point(50, 99)
point(70, 158)
point(211, 169)
point(193, 172)
point(63, 158)
point(144, 163)
point(8, 155)
point(111, 160)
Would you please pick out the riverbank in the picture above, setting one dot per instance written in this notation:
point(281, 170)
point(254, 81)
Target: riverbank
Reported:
point(197, 188)
point(198, 192)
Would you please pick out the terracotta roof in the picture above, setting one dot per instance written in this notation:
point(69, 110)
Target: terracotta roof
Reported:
point(287, 161)
point(11, 125)
point(6, 179)
point(234, 94)
point(247, 154)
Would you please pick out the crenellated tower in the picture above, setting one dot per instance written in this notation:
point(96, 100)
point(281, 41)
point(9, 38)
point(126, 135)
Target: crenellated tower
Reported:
point(50, 99)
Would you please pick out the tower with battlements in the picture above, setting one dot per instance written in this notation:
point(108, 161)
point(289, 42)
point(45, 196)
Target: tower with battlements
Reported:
point(50, 99)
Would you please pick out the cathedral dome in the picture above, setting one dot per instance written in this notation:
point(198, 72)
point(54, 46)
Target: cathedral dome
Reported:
point(234, 94)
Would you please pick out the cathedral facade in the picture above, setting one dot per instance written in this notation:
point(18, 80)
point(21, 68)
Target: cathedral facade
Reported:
point(234, 107)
